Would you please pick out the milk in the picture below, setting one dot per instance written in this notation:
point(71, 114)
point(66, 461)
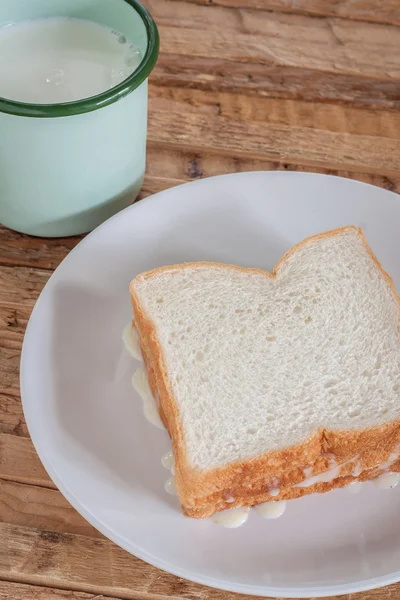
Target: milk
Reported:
point(73, 111)
point(61, 59)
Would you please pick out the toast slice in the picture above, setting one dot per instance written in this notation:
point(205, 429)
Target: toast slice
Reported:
point(263, 378)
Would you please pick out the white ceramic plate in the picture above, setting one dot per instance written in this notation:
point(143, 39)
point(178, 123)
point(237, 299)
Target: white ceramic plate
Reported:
point(87, 423)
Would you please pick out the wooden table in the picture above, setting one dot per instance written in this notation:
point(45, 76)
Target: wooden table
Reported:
point(309, 85)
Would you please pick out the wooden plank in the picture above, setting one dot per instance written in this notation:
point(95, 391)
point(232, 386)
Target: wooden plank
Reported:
point(183, 164)
point(329, 45)
point(233, 14)
point(275, 81)
point(12, 420)
point(73, 562)
point(13, 320)
point(9, 369)
point(87, 564)
point(19, 591)
point(190, 165)
point(24, 250)
point(309, 147)
point(386, 11)
point(281, 55)
point(47, 509)
point(333, 50)
point(12, 326)
point(20, 287)
point(295, 113)
point(20, 463)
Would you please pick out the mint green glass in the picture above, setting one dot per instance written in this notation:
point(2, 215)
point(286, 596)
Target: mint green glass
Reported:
point(65, 168)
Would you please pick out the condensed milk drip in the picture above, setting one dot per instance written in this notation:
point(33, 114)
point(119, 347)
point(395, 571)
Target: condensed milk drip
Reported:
point(131, 341)
point(170, 486)
point(231, 517)
point(354, 487)
point(271, 510)
point(387, 481)
point(168, 460)
point(141, 385)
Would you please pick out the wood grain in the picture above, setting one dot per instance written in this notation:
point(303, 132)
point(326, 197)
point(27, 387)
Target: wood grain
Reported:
point(239, 107)
point(386, 11)
point(32, 506)
point(309, 147)
point(280, 55)
point(20, 287)
point(13, 320)
point(191, 165)
point(20, 463)
point(18, 591)
point(263, 16)
point(332, 50)
point(12, 420)
point(64, 561)
point(88, 564)
point(275, 81)
point(297, 40)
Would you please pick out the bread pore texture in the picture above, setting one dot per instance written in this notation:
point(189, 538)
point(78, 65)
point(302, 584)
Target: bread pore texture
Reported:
point(260, 377)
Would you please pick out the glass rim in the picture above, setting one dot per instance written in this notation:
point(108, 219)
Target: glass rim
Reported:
point(85, 105)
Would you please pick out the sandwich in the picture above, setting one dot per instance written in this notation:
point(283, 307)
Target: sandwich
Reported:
point(274, 385)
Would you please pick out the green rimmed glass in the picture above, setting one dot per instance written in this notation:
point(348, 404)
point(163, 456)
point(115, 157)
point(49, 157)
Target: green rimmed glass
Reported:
point(64, 176)
point(97, 13)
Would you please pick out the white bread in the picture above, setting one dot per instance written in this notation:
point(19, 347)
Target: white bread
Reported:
point(260, 374)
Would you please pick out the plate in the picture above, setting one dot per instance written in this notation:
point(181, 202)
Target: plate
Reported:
point(87, 423)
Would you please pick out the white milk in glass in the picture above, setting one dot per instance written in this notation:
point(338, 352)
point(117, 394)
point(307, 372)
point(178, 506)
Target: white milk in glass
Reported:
point(59, 59)
point(65, 171)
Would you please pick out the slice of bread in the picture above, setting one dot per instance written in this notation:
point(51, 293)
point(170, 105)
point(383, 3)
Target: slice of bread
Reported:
point(258, 375)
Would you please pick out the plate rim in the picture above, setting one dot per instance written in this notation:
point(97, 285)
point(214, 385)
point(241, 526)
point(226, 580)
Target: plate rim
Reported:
point(121, 541)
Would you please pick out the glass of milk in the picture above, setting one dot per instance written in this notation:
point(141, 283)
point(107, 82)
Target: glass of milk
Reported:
point(73, 111)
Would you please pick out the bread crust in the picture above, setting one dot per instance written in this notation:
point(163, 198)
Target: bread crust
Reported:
point(202, 493)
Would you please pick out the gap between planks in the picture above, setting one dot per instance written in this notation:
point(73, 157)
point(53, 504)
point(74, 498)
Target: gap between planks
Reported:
point(10, 590)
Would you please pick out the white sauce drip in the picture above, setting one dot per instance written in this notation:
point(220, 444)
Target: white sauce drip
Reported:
point(131, 341)
point(354, 487)
point(271, 510)
point(141, 385)
point(168, 460)
point(231, 517)
point(170, 486)
point(387, 481)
